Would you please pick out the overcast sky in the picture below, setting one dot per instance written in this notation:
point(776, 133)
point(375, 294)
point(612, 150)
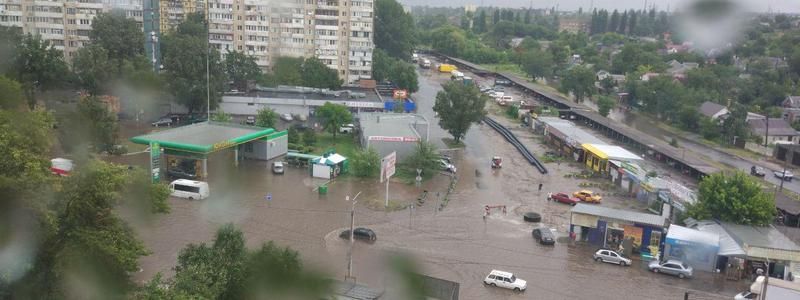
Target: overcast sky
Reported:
point(792, 6)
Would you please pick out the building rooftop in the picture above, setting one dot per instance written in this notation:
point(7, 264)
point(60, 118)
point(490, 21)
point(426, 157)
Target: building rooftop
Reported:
point(709, 109)
point(624, 215)
point(568, 132)
point(759, 236)
point(297, 92)
point(205, 137)
point(392, 125)
point(611, 152)
point(354, 291)
point(777, 127)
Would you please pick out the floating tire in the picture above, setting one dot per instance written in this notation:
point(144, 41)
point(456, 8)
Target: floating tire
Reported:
point(532, 217)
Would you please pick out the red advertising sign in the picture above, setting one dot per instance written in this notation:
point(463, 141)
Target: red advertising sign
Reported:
point(393, 138)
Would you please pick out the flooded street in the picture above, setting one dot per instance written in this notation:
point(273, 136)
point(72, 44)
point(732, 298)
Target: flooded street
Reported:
point(455, 243)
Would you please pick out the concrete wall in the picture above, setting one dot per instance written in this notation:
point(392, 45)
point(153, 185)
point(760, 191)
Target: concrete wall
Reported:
point(404, 149)
point(235, 108)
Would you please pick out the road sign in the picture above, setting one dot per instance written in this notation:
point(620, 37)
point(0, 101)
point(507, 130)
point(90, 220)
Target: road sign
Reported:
point(155, 161)
point(387, 166)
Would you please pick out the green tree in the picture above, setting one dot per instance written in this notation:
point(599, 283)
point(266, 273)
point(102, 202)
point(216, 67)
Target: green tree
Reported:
point(226, 269)
point(37, 66)
point(737, 198)
point(366, 163)
point(394, 29)
point(537, 63)
point(404, 75)
point(459, 106)
point(604, 105)
point(241, 68)
point(580, 82)
point(309, 137)
point(425, 158)
point(316, 74)
point(266, 118)
point(334, 116)
point(221, 116)
point(10, 38)
point(11, 97)
point(120, 36)
point(288, 70)
point(184, 57)
point(102, 125)
point(479, 25)
point(92, 68)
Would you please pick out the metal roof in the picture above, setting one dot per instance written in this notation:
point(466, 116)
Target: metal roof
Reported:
point(611, 152)
point(567, 131)
point(206, 137)
point(624, 215)
point(354, 291)
point(391, 125)
point(759, 236)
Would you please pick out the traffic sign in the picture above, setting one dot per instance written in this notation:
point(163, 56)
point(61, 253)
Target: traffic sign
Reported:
point(387, 166)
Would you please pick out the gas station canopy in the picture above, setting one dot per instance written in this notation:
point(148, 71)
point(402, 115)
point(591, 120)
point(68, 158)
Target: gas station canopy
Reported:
point(207, 137)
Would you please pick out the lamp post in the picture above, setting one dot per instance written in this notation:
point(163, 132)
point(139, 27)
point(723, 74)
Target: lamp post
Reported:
point(352, 225)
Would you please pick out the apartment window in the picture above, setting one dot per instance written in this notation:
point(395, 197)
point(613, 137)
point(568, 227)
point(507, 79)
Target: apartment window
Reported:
point(85, 21)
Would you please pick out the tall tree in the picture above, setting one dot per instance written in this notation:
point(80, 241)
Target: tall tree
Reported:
point(613, 25)
point(241, 68)
point(580, 82)
point(266, 118)
point(37, 66)
point(394, 29)
point(425, 158)
point(10, 37)
point(119, 35)
point(399, 72)
point(604, 105)
point(334, 116)
point(93, 68)
point(100, 123)
point(623, 23)
point(185, 52)
point(594, 28)
point(480, 22)
point(316, 74)
point(11, 97)
point(527, 19)
point(737, 198)
point(288, 70)
point(459, 106)
point(537, 63)
point(496, 16)
point(632, 23)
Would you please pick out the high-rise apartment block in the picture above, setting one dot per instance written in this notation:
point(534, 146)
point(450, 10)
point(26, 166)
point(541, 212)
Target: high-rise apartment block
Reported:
point(338, 32)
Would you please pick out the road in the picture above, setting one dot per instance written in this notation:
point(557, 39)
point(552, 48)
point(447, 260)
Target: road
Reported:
point(455, 243)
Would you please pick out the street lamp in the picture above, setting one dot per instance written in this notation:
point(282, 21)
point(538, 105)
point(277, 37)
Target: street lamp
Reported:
point(352, 225)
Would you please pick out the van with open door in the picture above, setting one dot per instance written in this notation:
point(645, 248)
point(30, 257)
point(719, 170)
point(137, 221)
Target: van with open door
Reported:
point(184, 188)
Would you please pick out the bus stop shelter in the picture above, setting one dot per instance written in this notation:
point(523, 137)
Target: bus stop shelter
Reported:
point(198, 141)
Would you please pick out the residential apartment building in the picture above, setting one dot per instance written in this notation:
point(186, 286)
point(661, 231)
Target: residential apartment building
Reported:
point(65, 24)
point(338, 32)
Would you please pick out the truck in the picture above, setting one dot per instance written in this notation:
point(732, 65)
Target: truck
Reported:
point(776, 289)
point(447, 68)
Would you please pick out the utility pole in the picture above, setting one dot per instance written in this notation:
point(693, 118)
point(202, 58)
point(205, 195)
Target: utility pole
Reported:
point(352, 225)
point(766, 279)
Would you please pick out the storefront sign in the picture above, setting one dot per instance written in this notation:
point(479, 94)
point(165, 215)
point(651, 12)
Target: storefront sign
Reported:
point(155, 161)
point(221, 145)
point(392, 138)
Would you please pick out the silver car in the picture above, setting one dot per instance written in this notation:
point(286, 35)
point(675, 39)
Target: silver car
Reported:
point(612, 257)
point(671, 267)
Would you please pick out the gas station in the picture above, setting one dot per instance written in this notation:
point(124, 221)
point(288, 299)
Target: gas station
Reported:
point(187, 148)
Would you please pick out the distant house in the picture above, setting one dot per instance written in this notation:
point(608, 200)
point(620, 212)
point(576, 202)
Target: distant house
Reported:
point(773, 130)
point(713, 110)
point(602, 74)
point(515, 42)
point(647, 76)
point(676, 67)
point(791, 108)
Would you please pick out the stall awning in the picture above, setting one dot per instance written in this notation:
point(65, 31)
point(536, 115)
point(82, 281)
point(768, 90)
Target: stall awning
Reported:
point(727, 245)
point(683, 234)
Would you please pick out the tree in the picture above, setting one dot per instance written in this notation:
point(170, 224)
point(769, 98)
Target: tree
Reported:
point(309, 137)
point(394, 29)
point(604, 105)
point(10, 38)
point(11, 97)
point(537, 63)
point(226, 269)
point(495, 16)
point(404, 75)
point(479, 26)
point(580, 82)
point(92, 68)
point(266, 118)
point(613, 25)
point(221, 116)
point(366, 163)
point(623, 23)
point(425, 158)
point(632, 23)
point(334, 116)
point(288, 70)
point(736, 198)
point(184, 57)
point(120, 36)
point(102, 126)
point(37, 66)
point(316, 74)
point(458, 106)
point(241, 68)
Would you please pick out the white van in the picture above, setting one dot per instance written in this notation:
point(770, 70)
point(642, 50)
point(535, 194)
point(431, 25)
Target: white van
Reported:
point(184, 188)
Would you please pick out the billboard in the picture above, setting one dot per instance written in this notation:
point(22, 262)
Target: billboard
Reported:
point(388, 166)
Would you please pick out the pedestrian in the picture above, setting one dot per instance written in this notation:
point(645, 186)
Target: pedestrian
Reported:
point(549, 196)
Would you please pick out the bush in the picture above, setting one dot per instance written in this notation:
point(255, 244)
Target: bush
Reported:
point(309, 138)
point(513, 112)
point(366, 163)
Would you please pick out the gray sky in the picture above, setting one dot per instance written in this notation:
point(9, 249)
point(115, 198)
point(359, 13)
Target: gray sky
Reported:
point(790, 6)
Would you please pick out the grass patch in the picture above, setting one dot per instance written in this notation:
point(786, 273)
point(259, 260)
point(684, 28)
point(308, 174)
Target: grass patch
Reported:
point(379, 204)
point(509, 67)
point(451, 143)
point(345, 144)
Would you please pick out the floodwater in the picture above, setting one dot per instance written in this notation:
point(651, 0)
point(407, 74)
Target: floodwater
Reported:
point(456, 243)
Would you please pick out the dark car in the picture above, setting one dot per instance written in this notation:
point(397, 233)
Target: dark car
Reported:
point(757, 171)
point(360, 233)
point(502, 81)
point(162, 122)
point(544, 236)
point(181, 174)
point(564, 198)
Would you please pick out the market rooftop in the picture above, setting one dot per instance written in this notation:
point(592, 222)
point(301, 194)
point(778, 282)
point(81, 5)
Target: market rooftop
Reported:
point(626, 215)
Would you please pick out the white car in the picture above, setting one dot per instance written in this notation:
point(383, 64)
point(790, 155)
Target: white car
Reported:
point(505, 280)
point(446, 166)
point(503, 100)
point(347, 128)
point(495, 94)
point(287, 117)
point(746, 295)
point(784, 175)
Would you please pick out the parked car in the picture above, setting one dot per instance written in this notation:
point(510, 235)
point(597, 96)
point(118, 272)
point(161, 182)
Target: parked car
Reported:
point(671, 267)
point(360, 233)
point(757, 171)
point(177, 173)
point(347, 128)
point(446, 166)
point(446, 158)
point(611, 256)
point(503, 100)
point(502, 81)
point(544, 236)
point(287, 117)
point(277, 167)
point(485, 89)
point(587, 196)
point(564, 198)
point(746, 295)
point(162, 122)
point(505, 280)
point(251, 120)
point(784, 175)
point(496, 94)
